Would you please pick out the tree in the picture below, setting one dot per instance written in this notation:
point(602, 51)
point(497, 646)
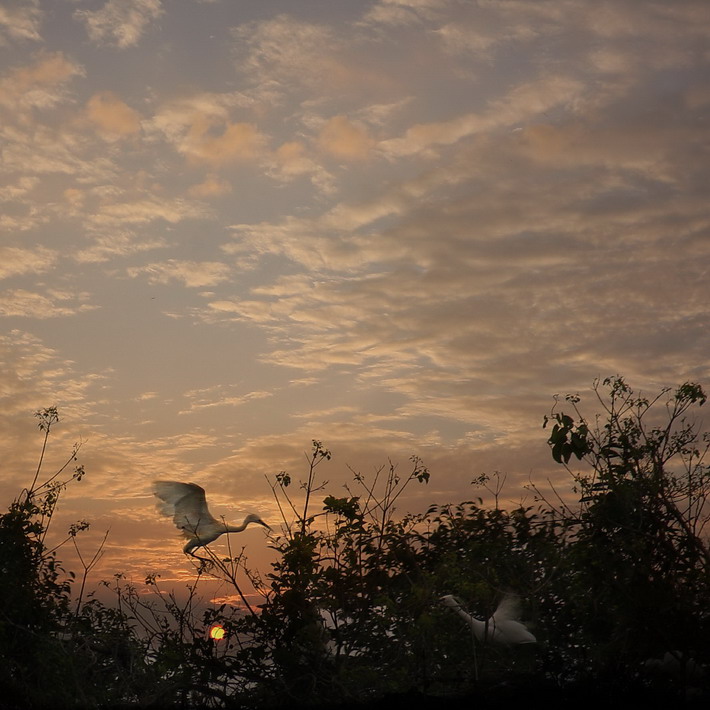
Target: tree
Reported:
point(34, 594)
point(637, 565)
point(55, 653)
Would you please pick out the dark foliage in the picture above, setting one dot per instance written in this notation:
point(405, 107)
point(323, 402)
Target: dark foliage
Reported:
point(614, 587)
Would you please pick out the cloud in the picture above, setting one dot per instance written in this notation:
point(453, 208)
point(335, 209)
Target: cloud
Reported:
point(390, 14)
point(144, 211)
point(458, 39)
point(658, 20)
point(283, 48)
point(380, 114)
point(34, 149)
point(120, 22)
point(21, 189)
point(111, 116)
point(19, 21)
point(115, 243)
point(34, 375)
point(41, 138)
point(536, 215)
point(232, 142)
point(284, 56)
point(193, 274)
point(16, 260)
point(174, 118)
point(19, 211)
point(40, 84)
point(402, 12)
point(212, 186)
point(481, 37)
point(30, 304)
point(659, 32)
point(475, 278)
point(292, 160)
point(521, 103)
point(345, 140)
point(208, 398)
point(200, 127)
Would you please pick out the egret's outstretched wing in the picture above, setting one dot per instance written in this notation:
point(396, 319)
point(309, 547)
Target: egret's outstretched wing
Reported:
point(506, 622)
point(509, 608)
point(187, 505)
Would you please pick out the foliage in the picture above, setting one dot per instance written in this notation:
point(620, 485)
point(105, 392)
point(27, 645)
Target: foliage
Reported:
point(637, 566)
point(614, 586)
point(34, 599)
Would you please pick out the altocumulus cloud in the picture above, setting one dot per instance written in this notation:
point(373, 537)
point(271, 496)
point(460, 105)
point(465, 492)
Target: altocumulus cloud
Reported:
point(192, 274)
point(120, 22)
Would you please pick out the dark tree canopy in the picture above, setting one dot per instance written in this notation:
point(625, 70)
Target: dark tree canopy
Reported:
point(612, 580)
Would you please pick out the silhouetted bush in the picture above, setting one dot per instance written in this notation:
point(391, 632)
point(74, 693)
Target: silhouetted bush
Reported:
point(614, 587)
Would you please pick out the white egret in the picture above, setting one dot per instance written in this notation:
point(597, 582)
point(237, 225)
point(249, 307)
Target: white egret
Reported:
point(186, 504)
point(502, 629)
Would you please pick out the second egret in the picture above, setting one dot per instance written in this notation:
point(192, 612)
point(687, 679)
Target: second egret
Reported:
point(502, 629)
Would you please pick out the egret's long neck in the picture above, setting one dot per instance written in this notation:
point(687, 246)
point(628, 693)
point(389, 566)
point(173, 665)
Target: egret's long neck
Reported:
point(478, 626)
point(467, 617)
point(235, 528)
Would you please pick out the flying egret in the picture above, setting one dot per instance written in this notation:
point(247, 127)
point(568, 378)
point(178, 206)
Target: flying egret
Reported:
point(187, 505)
point(502, 629)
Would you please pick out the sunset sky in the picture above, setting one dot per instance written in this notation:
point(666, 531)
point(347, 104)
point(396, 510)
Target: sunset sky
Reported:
point(229, 227)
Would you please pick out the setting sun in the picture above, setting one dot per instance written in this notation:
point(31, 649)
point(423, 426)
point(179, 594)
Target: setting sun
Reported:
point(217, 632)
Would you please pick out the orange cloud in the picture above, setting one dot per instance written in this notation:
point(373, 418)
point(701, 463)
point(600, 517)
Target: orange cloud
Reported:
point(74, 196)
point(237, 141)
point(345, 140)
point(212, 186)
point(194, 274)
point(120, 22)
point(290, 153)
point(22, 303)
point(15, 260)
point(38, 84)
point(51, 69)
point(111, 115)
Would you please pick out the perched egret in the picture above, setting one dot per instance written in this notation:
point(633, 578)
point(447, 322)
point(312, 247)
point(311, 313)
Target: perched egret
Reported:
point(502, 629)
point(186, 504)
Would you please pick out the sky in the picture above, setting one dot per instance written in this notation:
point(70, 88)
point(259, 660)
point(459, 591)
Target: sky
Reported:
point(399, 227)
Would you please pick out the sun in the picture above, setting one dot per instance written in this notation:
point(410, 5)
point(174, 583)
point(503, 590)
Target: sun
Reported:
point(217, 632)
